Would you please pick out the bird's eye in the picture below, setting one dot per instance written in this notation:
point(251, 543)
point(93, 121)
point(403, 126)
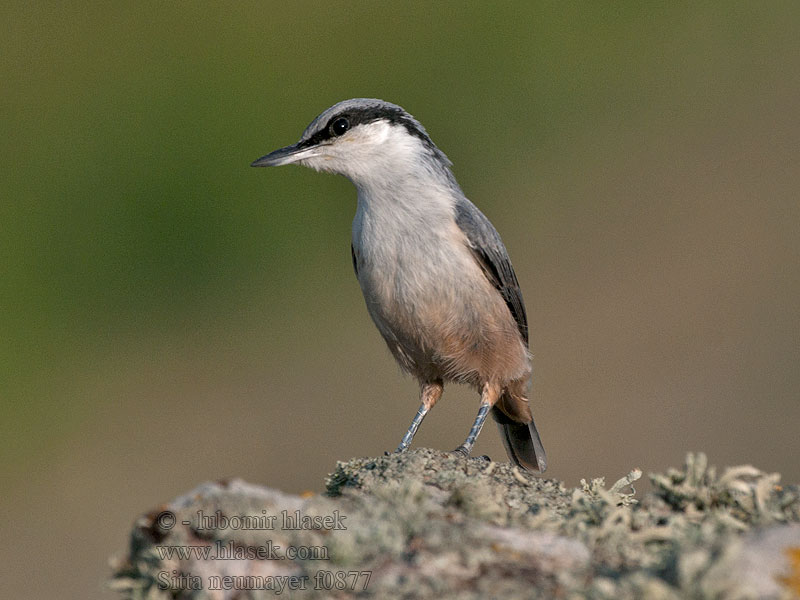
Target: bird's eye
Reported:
point(339, 126)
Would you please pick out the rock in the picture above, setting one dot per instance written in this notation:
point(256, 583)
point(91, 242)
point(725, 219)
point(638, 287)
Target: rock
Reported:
point(427, 524)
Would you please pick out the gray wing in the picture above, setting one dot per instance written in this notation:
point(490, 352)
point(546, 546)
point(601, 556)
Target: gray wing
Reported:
point(491, 254)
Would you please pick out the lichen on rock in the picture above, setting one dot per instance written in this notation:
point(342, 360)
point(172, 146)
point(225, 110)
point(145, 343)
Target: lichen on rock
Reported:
point(425, 524)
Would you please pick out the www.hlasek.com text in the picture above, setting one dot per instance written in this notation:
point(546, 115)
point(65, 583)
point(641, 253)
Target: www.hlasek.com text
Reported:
point(236, 551)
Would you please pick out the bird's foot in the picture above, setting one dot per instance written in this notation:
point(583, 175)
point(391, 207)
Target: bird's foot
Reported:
point(462, 451)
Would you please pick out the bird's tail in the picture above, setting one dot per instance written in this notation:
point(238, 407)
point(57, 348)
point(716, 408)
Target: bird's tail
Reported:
point(513, 416)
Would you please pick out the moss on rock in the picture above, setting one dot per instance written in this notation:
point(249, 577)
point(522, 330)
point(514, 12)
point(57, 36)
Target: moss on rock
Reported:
point(427, 524)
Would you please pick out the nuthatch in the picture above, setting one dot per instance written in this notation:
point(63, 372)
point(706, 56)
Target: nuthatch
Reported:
point(435, 275)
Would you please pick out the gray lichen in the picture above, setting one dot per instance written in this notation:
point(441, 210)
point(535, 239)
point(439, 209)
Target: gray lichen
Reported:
point(427, 524)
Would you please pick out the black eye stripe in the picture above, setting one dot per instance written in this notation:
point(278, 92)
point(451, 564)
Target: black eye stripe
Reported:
point(363, 116)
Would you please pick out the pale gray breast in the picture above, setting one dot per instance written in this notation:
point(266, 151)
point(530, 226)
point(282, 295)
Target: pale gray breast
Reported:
point(432, 298)
point(408, 263)
point(422, 285)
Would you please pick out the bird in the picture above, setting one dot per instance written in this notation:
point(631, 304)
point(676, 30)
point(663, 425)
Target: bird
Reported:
point(436, 277)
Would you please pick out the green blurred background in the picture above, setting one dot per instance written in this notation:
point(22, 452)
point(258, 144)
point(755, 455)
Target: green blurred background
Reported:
point(170, 315)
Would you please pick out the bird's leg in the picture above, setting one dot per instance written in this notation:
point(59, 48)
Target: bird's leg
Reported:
point(489, 395)
point(429, 393)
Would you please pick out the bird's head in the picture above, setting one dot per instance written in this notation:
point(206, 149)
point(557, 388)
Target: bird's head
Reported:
point(365, 140)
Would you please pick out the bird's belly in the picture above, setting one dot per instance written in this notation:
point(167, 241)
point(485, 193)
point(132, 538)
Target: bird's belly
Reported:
point(441, 318)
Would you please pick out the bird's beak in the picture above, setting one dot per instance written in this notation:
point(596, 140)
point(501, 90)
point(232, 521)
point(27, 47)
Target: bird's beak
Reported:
point(284, 156)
